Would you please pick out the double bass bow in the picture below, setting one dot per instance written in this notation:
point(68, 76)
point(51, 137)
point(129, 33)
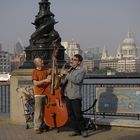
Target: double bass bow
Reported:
point(55, 110)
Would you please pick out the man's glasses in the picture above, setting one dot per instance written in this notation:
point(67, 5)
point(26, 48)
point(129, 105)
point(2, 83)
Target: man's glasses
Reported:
point(73, 59)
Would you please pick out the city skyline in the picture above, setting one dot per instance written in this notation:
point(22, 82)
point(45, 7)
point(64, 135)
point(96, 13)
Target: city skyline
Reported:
point(89, 23)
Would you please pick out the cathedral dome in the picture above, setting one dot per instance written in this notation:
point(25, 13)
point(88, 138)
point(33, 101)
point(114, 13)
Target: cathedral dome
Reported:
point(129, 41)
point(128, 47)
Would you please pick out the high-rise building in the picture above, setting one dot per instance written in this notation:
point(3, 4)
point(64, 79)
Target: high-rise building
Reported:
point(18, 49)
point(72, 48)
point(18, 57)
point(17, 60)
point(5, 66)
point(92, 54)
point(0, 47)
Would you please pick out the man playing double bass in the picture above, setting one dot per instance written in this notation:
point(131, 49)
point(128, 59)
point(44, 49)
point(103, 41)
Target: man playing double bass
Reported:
point(41, 79)
point(73, 79)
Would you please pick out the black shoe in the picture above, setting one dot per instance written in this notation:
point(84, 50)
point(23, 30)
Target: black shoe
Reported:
point(44, 127)
point(84, 134)
point(74, 133)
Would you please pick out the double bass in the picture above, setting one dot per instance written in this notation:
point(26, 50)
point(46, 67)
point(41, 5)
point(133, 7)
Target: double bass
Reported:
point(55, 110)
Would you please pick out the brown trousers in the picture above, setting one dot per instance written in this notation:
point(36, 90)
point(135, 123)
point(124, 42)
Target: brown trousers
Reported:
point(39, 111)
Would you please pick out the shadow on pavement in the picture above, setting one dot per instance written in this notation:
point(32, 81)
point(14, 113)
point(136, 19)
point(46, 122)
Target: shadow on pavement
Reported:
point(130, 137)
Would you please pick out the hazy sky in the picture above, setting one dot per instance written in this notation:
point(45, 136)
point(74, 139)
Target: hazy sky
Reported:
point(91, 23)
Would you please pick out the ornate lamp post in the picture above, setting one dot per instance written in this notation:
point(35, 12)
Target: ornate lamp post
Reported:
point(42, 39)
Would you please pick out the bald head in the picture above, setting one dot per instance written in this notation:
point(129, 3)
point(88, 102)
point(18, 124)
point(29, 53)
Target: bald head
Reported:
point(38, 62)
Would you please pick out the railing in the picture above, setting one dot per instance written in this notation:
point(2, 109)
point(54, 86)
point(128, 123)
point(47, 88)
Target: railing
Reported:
point(4, 97)
point(89, 94)
point(88, 91)
point(88, 97)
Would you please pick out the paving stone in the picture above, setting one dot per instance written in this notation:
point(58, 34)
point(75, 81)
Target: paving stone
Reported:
point(18, 132)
